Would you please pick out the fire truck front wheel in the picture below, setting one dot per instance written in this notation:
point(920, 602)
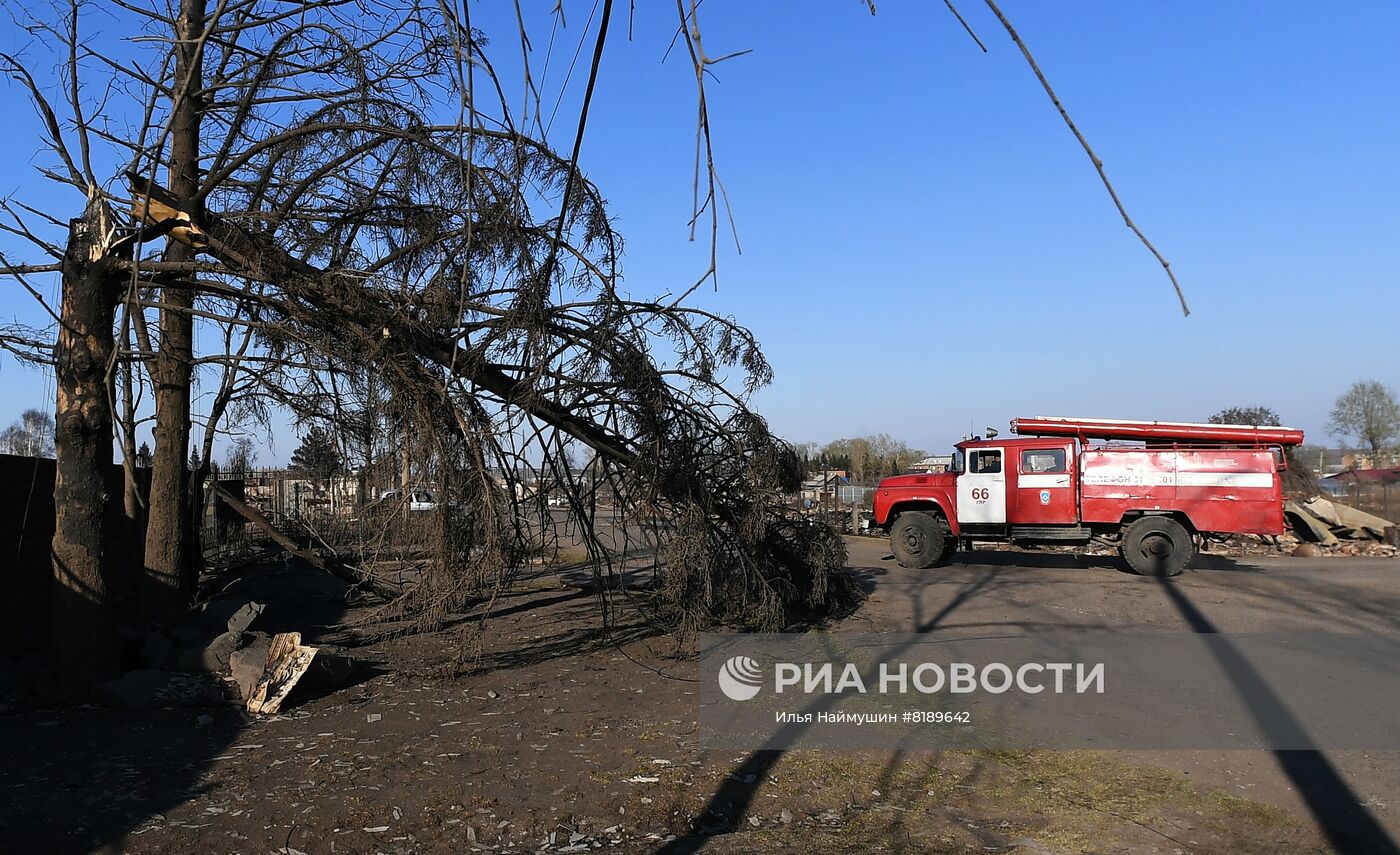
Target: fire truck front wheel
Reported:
point(1157, 546)
point(920, 540)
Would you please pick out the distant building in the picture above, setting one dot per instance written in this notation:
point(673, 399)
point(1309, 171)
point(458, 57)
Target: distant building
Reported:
point(281, 494)
point(1361, 461)
point(824, 485)
point(1368, 476)
point(933, 463)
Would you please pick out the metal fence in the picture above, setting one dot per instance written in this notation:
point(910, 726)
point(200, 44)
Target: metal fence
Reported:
point(1373, 497)
point(853, 495)
point(284, 497)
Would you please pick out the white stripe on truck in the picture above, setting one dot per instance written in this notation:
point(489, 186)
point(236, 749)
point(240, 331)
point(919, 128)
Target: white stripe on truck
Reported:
point(1043, 481)
point(1179, 479)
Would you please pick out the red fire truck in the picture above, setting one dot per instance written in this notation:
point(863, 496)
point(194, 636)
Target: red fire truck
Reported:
point(1153, 489)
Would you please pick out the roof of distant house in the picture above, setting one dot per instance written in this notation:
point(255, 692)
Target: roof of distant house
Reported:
point(1385, 476)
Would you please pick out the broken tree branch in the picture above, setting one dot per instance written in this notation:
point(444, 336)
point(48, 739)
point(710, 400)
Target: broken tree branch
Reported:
point(334, 566)
point(1094, 158)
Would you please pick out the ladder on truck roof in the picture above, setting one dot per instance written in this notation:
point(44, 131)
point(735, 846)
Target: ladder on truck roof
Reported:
point(1146, 431)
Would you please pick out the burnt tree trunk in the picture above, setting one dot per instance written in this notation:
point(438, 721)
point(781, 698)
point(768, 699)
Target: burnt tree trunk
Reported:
point(172, 551)
point(168, 529)
point(83, 635)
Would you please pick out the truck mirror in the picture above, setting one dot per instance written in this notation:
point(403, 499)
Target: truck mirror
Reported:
point(1280, 459)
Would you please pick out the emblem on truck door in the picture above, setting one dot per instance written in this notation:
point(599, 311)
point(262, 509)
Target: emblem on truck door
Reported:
point(1045, 497)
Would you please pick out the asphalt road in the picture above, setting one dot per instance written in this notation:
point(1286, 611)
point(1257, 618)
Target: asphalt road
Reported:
point(1243, 594)
point(1352, 796)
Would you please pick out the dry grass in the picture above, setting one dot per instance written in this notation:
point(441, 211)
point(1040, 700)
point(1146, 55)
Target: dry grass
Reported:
point(1071, 801)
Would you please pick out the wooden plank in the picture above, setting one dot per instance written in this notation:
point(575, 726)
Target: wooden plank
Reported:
point(287, 661)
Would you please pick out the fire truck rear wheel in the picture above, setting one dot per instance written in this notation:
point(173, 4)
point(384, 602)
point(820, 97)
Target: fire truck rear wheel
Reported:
point(919, 540)
point(1157, 546)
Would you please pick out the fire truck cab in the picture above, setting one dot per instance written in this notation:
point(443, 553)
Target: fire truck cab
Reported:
point(1153, 489)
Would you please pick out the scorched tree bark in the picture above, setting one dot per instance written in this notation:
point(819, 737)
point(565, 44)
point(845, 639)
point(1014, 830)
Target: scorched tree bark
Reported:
point(84, 645)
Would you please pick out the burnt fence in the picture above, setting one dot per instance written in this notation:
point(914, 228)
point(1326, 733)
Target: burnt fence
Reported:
point(26, 532)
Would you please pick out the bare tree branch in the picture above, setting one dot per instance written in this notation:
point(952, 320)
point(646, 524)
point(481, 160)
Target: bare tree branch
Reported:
point(1093, 158)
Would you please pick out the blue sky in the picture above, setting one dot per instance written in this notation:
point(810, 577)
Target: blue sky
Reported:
point(924, 244)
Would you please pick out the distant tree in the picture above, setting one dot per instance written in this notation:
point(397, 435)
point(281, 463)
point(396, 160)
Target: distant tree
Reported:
point(30, 436)
point(860, 454)
point(1246, 416)
point(9, 438)
point(318, 456)
point(1315, 456)
point(836, 461)
point(1368, 413)
point(868, 457)
point(240, 456)
point(1299, 477)
point(143, 456)
point(194, 461)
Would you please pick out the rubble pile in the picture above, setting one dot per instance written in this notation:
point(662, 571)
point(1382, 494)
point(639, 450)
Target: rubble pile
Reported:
point(1321, 526)
point(211, 656)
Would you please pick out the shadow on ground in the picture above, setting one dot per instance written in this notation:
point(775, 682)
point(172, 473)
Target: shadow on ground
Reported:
point(1034, 558)
point(732, 800)
point(85, 779)
point(1337, 809)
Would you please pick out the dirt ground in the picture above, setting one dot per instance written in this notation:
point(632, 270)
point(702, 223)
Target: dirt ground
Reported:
point(560, 739)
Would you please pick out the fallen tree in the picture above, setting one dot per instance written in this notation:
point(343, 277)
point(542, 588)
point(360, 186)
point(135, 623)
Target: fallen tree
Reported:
point(466, 268)
point(333, 565)
point(688, 459)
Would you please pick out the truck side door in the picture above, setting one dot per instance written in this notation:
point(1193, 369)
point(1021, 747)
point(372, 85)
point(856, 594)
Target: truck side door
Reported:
point(1045, 486)
point(982, 487)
